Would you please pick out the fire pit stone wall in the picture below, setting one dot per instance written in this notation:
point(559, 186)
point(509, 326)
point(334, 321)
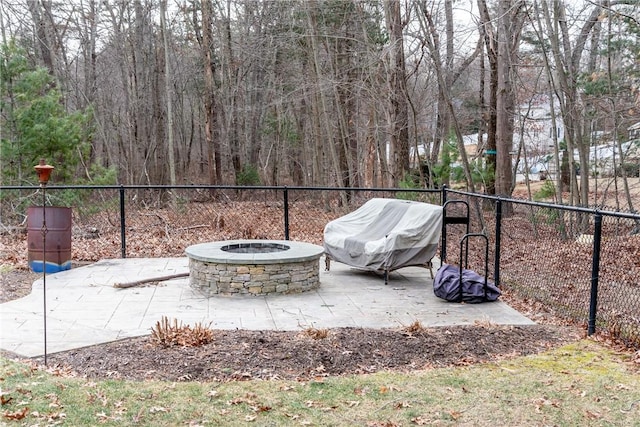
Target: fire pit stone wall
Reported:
point(254, 267)
point(214, 278)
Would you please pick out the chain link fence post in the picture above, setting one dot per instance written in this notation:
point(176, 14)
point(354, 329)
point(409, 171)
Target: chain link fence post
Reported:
point(496, 265)
point(123, 234)
point(286, 213)
point(443, 233)
point(595, 273)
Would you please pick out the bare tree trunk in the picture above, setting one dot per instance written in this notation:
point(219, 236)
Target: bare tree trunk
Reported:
point(316, 153)
point(342, 69)
point(126, 122)
point(210, 120)
point(311, 16)
point(490, 116)
point(504, 104)
point(229, 87)
point(552, 107)
point(399, 120)
point(567, 58)
point(87, 26)
point(44, 41)
point(169, 99)
point(447, 120)
point(370, 152)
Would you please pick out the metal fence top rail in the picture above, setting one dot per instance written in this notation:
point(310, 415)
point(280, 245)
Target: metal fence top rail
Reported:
point(214, 187)
point(594, 211)
point(582, 209)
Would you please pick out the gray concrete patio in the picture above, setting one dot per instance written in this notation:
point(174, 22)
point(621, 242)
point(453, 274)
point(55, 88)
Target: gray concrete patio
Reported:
point(83, 307)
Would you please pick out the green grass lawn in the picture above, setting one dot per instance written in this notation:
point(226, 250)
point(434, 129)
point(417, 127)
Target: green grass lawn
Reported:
point(582, 384)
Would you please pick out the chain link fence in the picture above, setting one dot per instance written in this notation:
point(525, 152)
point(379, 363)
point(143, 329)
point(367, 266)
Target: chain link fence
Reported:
point(541, 253)
point(560, 258)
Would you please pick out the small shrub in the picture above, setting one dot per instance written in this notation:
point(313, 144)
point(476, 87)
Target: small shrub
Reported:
point(409, 182)
point(547, 190)
point(414, 328)
point(485, 322)
point(316, 334)
point(630, 169)
point(457, 174)
point(168, 334)
point(248, 176)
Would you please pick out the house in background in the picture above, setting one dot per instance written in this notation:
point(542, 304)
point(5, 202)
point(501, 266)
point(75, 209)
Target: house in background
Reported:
point(534, 142)
point(606, 156)
point(535, 133)
point(634, 131)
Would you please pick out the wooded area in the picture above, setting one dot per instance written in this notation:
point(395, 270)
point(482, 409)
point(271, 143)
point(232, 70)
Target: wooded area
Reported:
point(354, 93)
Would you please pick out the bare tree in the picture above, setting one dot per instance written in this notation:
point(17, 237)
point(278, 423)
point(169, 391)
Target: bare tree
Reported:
point(322, 106)
point(502, 43)
point(167, 86)
point(399, 109)
point(447, 73)
point(567, 55)
point(315, 92)
point(210, 114)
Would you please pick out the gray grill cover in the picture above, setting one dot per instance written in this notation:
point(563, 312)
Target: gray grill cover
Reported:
point(385, 234)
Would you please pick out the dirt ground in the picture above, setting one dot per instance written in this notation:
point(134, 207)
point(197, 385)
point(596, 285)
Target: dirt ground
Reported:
point(302, 355)
point(15, 283)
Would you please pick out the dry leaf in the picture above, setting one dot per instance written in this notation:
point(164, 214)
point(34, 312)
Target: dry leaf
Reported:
point(402, 405)
point(455, 415)
point(361, 391)
point(17, 415)
point(102, 416)
point(593, 415)
point(311, 404)
point(421, 421)
point(287, 387)
point(542, 402)
point(382, 424)
point(56, 416)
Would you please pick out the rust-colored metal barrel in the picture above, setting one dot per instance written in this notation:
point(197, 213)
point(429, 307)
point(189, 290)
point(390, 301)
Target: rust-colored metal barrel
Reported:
point(58, 239)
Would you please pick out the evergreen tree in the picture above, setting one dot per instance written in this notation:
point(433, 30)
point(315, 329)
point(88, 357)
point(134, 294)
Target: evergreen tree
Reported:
point(35, 124)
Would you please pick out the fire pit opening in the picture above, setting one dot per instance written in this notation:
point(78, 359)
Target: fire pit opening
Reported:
point(254, 267)
point(254, 248)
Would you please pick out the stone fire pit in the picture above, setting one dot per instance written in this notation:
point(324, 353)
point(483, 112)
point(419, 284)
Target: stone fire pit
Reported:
point(254, 267)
